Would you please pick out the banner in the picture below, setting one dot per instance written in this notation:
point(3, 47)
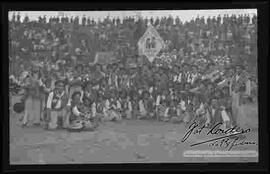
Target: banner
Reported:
point(105, 58)
point(150, 43)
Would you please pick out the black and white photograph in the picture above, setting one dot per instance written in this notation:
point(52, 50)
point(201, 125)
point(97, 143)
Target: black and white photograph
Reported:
point(133, 86)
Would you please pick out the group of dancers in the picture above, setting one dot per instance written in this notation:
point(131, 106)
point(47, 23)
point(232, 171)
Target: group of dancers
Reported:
point(83, 100)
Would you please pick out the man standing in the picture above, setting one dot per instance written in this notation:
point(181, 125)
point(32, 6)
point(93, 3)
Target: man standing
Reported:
point(235, 86)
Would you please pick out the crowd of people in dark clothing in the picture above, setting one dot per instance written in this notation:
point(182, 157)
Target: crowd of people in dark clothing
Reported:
point(206, 71)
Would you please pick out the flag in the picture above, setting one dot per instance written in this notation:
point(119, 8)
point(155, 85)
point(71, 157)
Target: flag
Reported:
point(150, 43)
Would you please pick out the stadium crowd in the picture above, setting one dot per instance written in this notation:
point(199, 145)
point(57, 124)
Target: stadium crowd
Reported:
point(206, 72)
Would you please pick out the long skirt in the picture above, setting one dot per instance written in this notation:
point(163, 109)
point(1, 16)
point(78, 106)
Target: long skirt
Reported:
point(32, 111)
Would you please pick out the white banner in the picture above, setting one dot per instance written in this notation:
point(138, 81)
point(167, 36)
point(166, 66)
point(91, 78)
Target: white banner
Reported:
point(150, 43)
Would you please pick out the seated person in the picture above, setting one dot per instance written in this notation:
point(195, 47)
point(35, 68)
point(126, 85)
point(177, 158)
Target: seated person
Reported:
point(161, 104)
point(80, 118)
point(111, 110)
point(146, 106)
point(56, 105)
point(76, 111)
point(172, 112)
point(87, 109)
point(134, 104)
point(123, 103)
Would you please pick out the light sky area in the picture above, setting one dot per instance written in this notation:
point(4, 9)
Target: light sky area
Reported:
point(184, 15)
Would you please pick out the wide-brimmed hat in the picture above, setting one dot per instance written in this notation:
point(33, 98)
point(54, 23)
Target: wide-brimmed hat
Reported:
point(63, 81)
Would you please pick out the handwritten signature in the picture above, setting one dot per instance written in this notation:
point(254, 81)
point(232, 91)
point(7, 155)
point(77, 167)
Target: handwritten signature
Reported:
point(230, 143)
point(223, 141)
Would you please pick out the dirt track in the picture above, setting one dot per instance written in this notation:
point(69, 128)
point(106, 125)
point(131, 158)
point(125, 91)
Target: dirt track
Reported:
point(129, 141)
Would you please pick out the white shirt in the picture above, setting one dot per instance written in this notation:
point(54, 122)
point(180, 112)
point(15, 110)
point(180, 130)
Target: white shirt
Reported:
point(94, 110)
point(177, 78)
point(50, 99)
point(129, 106)
point(248, 87)
point(118, 105)
point(183, 105)
point(158, 100)
point(141, 106)
point(237, 77)
point(213, 112)
point(225, 116)
point(75, 111)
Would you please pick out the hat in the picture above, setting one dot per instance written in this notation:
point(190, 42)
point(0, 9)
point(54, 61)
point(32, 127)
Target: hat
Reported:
point(145, 92)
point(60, 81)
point(77, 50)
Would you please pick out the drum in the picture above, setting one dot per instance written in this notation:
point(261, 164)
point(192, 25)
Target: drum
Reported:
point(18, 107)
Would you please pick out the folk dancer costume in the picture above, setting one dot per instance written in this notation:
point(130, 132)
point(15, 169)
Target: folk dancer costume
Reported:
point(173, 112)
point(46, 84)
point(146, 106)
point(81, 117)
point(180, 111)
point(218, 114)
point(124, 105)
point(112, 80)
point(235, 95)
point(188, 108)
point(75, 85)
point(134, 106)
point(76, 115)
point(98, 110)
point(32, 100)
point(111, 110)
point(161, 106)
point(239, 89)
point(56, 105)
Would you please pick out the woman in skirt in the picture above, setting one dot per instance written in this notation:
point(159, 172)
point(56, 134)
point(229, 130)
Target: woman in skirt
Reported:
point(32, 101)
